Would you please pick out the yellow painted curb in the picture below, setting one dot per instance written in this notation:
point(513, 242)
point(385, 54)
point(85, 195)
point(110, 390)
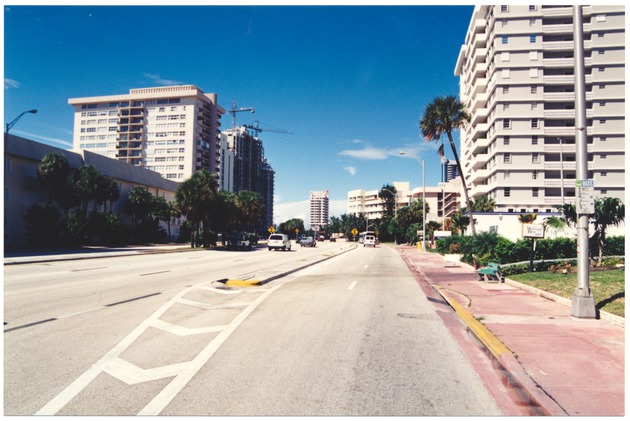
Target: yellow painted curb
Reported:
point(241, 283)
point(494, 345)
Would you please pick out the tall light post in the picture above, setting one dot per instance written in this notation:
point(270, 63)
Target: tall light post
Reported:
point(11, 124)
point(583, 302)
point(424, 201)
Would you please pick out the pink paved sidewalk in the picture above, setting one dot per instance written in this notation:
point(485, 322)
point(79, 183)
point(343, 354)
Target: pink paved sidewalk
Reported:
point(578, 363)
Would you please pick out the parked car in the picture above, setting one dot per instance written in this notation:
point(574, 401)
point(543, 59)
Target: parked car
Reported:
point(279, 242)
point(333, 240)
point(239, 241)
point(308, 242)
point(320, 238)
point(369, 241)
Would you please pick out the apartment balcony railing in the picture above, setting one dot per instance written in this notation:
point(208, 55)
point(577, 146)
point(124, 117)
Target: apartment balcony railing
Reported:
point(559, 114)
point(480, 160)
point(559, 131)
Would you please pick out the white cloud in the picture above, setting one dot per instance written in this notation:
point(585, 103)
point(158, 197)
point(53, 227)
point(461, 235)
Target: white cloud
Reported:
point(368, 153)
point(10, 83)
point(351, 170)
point(164, 82)
point(282, 212)
point(61, 142)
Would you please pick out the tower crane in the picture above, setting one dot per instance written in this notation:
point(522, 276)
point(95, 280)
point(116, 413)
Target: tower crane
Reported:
point(235, 110)
point(254, 128)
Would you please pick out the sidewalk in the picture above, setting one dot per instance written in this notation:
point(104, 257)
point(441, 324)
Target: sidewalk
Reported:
point(566, 365)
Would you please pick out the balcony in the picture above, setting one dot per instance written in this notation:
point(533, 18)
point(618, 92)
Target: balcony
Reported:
point(480, 160)
point(559, 114)
point(559, 131)
point(480, 145)
point(480, 176)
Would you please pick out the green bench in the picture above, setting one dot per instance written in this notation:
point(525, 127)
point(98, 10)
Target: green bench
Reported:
point(490, 273)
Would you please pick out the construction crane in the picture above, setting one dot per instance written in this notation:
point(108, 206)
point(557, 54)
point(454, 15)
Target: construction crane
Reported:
point(257, 129)
point(235, 110)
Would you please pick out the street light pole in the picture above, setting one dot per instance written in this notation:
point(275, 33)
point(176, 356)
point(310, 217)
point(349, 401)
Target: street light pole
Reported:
point(424, 201)
point(11, 124)
point(583, 302)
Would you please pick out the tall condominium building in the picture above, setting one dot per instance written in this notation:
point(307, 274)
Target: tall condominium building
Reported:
point(173, 130)
point(319, 209)
point(449, 171)
point(250, 169)
point(516, 72)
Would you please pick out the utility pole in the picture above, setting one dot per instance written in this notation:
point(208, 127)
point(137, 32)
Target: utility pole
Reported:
point(583, 302)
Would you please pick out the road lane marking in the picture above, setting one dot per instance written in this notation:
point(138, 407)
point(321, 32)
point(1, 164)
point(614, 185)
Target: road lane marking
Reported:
point(365, 267)
point(352, 285)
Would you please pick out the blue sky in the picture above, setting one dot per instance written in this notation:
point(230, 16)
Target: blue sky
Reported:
point(350, 82)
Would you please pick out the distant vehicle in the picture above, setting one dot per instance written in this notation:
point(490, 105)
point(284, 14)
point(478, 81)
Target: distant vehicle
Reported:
point(320, 238)
point(279, 242)
point(333, 240)
point(308, 242)
point(369, 241)
point(299, 239)
point(239, 241)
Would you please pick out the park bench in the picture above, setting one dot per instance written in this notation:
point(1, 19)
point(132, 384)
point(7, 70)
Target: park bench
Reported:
point(490, 273)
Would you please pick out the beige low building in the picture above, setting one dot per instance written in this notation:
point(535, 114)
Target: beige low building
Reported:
point(22, 187)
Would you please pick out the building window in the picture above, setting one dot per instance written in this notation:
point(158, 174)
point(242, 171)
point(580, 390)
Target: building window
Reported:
point(600, 52)
point(534, 140)
point(533, 55)
point(506, 107)
point(602, 121)
point(533, 73)
point(533, 89)
point(535, 158)
point(504, 8)
point(506, 140)
point(506, 192)
point(507, 158)
point(507, 123)
point(534, 175)
point(602, 139)
point(603, 156)
point(506, 175)
point(534, 123)
point(532, 8)
point(604, 173)
point(506, 89)
point(504, 39)
point(505, 56)
point(604, 192)
point(534, 191)
point(532, 39)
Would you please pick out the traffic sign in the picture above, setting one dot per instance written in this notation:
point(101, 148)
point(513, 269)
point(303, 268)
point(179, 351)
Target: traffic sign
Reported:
point(297, 230)
point(585, 195)
point(271, 230)
point(354, 231)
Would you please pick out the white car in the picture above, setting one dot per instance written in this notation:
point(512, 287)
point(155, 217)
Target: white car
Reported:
point(369, 240)
point(279, 242)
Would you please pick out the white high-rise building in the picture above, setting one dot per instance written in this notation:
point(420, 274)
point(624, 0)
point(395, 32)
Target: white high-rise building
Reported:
point(173, 130)
point(319, 209)
point(516, 72)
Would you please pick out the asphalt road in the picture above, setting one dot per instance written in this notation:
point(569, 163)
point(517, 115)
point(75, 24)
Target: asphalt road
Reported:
point(156, 334)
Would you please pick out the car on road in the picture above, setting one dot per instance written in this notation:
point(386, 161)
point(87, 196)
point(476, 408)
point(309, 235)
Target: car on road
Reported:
point(279, 242)
point(320, 238)
point(369, 241)
point(308, 242)
point(239, 241)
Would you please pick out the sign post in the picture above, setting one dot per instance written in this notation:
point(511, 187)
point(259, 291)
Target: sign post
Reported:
point(354, 233)
point(533, 231)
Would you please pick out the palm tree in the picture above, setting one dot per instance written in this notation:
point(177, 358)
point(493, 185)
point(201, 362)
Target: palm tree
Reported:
point(459, 222)
point(608, 211)
point(53, 171)
point(196, 196)
point(442, 116)
point(483, 204)
point(250, 208)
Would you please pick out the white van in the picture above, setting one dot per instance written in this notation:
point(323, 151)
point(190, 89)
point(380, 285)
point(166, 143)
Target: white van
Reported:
point(279, 241)
point(369, 240)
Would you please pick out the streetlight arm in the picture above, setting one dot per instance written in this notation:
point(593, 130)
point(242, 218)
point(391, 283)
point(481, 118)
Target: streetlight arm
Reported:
point(11, 124)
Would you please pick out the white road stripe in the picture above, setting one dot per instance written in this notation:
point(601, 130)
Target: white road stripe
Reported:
point(352, 285)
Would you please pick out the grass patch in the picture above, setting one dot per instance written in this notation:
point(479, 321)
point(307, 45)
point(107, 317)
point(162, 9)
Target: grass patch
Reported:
point(608, 286)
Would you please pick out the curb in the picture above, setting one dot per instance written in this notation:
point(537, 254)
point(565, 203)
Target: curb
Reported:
point(528, 393)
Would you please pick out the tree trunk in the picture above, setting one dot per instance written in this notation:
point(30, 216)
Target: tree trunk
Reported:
point(461, 176)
